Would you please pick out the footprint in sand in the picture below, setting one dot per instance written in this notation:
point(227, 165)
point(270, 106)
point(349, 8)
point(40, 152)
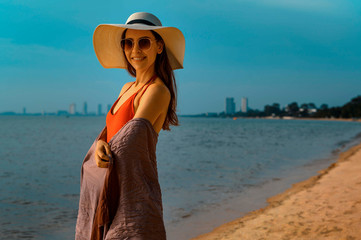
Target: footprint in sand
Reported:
point(306, 231)
point(327, 231)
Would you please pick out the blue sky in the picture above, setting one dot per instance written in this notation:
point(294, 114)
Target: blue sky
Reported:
point(267, 50)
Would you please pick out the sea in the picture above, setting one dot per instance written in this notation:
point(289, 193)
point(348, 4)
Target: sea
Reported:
point(204, 165)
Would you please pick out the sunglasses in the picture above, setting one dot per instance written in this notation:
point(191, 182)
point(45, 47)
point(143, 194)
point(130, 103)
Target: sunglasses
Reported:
point(143, 43)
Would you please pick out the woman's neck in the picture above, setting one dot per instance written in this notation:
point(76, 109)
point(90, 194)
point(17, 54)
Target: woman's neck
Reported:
point(143, 77)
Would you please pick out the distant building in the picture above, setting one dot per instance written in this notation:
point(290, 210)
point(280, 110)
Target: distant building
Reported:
point(312, 110)
point(244, 105)
point(230, 105)
point(24, 111)
point(100, 109)
point(287, 108)
point(308, 110)
point(72, 108)
point(85, 109)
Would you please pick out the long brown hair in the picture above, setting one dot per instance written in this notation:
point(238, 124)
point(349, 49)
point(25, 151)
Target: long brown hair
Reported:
point(165, 72)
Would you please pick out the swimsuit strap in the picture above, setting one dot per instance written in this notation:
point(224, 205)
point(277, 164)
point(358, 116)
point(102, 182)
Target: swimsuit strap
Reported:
point(126, 90)
point(135, 94)
point(150, 80)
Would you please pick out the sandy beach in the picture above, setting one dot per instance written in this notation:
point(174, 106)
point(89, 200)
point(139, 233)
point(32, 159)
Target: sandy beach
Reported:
point(326, 206)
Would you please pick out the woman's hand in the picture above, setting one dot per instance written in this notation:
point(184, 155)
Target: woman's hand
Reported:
point(102, 154)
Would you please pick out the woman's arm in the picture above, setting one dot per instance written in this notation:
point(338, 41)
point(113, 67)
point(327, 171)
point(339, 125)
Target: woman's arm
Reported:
point(153, 103)
point(103, 135)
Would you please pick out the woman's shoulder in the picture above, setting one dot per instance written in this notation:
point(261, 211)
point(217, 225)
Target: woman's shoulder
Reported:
point(160, 85)
point(154, 101)
point(125, 87)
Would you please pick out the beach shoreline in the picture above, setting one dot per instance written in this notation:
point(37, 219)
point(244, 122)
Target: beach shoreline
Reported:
point(241, 203)
point(291, 214)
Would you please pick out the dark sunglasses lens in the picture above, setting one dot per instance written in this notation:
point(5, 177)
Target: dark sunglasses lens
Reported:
point(144, 43)
point(126, 44)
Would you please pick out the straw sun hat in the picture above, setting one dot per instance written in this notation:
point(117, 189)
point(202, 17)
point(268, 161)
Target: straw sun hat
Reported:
point(106, 40)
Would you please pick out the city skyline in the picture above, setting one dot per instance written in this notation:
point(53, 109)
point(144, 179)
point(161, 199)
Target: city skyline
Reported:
point(230, 107)
point(72, 110)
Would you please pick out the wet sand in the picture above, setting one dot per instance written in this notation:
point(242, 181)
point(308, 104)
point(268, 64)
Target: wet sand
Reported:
point(326, 206)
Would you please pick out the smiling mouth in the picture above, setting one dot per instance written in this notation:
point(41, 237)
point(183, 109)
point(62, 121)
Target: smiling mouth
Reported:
point(138, 58)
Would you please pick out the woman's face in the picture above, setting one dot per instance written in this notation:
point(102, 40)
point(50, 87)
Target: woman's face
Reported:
point(139, 56)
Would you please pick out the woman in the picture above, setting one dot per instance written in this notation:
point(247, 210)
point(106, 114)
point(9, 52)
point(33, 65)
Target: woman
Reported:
point(120, 196)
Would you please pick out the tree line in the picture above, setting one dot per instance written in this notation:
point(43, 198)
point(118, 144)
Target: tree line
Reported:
point(351, 109)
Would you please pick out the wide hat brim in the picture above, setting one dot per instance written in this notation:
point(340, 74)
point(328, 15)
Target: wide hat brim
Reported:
point(106, 41)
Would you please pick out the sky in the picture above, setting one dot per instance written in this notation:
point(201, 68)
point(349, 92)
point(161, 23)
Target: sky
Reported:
point(270, 51)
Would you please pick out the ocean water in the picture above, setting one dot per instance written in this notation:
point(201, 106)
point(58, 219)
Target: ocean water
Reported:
point(201, 163)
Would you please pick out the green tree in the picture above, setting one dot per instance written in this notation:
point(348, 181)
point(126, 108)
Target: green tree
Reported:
point(324, 106)
point(272, 109)
point(311, 105)
point(352, 109)
point(293, 109)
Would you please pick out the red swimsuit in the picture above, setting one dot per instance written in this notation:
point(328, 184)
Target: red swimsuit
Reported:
point(115, 122)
